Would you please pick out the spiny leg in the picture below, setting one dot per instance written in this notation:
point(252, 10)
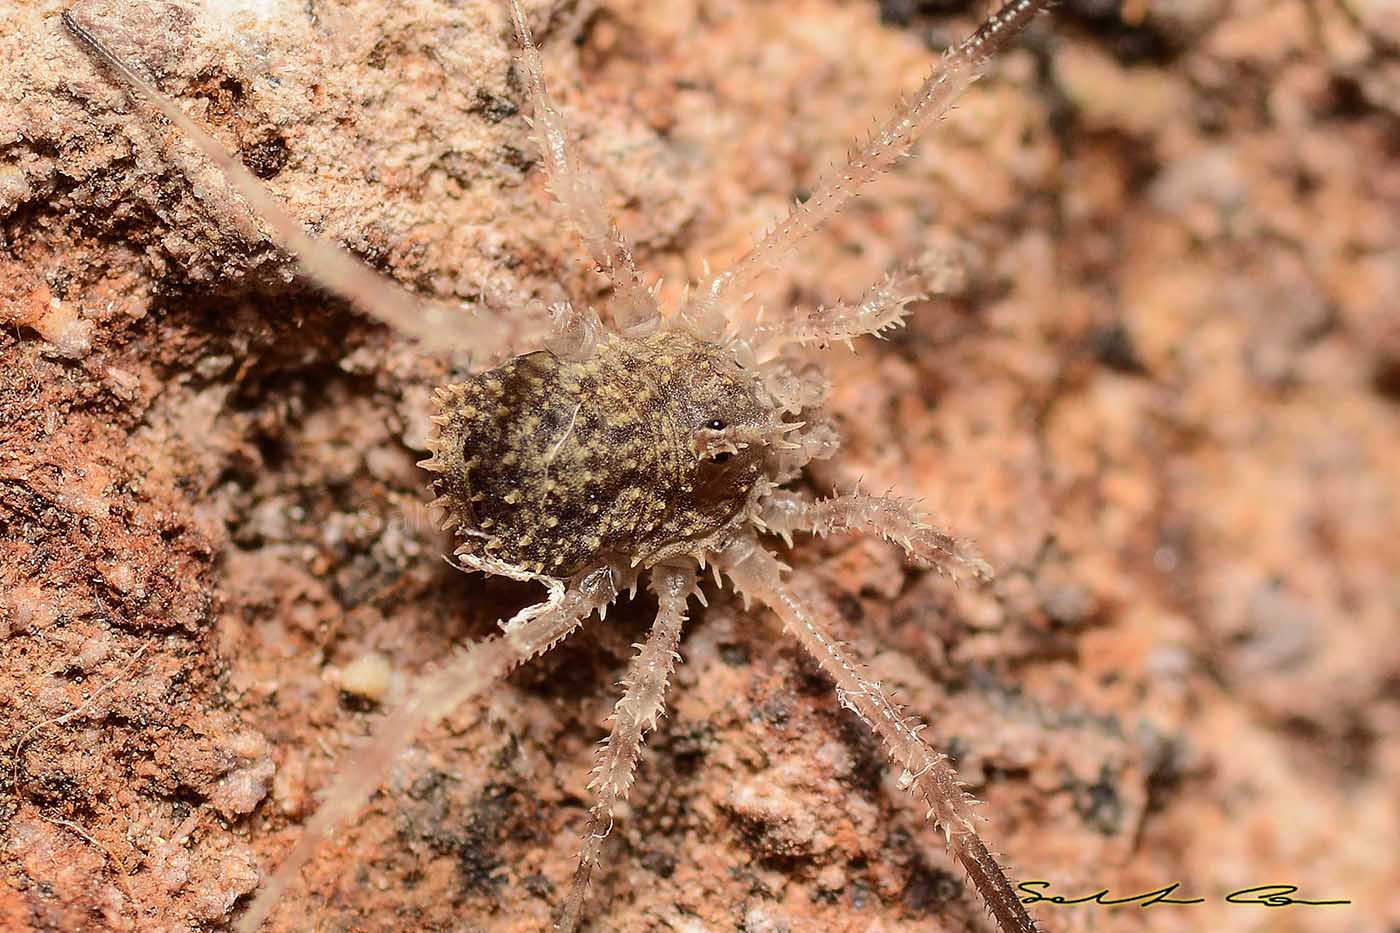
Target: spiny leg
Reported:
point(633, 307)
point(642, 704)
point(880, 309)
point(529, 633)
point(883, 307)
point(435, 324)
point(894, 519)
point(757, 574)
point(959, 68)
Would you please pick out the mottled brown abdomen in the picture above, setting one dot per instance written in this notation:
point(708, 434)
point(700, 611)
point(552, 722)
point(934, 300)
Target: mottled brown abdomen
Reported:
point(552, 465)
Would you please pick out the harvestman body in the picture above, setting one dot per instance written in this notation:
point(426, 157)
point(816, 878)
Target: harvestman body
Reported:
point(655, 443)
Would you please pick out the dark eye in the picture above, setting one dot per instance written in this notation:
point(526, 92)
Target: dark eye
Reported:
point(722, 458)
point(714, 424)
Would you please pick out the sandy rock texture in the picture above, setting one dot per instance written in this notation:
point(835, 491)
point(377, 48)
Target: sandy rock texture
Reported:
point(1163, 396)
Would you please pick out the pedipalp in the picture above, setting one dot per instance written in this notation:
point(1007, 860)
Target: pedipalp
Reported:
point(882, 308)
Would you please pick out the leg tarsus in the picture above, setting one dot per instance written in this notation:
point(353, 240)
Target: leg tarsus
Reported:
point(806, 613)
point(474, 671)
point(637, 712)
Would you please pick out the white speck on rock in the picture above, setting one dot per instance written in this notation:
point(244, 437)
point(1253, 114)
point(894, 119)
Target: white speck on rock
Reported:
point(247, 783)
point(367, 676)
point(63, 327)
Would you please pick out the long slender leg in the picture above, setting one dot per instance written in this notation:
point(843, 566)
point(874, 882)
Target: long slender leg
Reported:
point(642, 704)
point(806, 612)
point(435, 324)
point(960, 67)
point(529, 633)
point(894, 519)
point(633, 307)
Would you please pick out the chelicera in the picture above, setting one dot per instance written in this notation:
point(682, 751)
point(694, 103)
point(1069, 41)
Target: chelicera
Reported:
point(645, 443)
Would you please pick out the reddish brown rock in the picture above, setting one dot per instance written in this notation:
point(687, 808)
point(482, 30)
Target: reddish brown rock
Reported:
point(1163, 399)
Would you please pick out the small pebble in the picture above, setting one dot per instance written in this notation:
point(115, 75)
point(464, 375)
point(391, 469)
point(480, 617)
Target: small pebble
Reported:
point(367, 676)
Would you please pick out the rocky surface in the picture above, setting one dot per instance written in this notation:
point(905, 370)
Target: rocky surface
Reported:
point(1163, 398)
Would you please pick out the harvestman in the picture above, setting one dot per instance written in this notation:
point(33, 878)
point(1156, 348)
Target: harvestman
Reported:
point(647, 441)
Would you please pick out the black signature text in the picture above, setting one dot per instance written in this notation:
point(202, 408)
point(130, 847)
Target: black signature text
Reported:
point(1265, 895)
